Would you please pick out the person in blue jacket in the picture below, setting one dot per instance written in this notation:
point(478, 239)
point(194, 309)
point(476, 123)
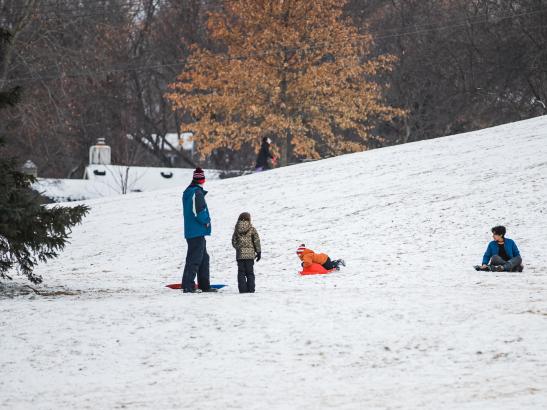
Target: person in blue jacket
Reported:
point(197, 225)
point(502, 253)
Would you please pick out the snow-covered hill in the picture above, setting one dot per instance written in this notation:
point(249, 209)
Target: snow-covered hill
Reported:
point(407, 324)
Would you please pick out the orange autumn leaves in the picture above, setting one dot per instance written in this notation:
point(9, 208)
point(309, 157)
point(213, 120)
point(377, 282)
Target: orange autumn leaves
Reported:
point(297, 70)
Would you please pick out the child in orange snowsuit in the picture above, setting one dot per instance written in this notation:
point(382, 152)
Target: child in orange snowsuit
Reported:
point(307, 256)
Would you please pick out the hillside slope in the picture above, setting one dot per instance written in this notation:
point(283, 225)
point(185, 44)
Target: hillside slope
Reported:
point(407, 324)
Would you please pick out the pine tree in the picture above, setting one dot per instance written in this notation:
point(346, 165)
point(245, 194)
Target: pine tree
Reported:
point(29, 232)
point(295, 69)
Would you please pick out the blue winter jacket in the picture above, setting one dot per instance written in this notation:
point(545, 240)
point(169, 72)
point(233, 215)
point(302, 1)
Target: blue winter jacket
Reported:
point(197, 221)
point(493, 249)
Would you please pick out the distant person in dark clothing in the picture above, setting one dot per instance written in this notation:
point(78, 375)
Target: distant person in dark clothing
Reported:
point(502, 254)
point(265, 159)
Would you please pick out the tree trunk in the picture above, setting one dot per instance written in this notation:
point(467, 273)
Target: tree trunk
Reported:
point(284, 149)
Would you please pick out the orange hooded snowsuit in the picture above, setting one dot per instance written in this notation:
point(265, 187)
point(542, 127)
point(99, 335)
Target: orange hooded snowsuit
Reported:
point(307, 256)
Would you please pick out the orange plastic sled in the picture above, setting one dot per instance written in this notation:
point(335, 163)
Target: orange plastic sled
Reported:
point(315, 269)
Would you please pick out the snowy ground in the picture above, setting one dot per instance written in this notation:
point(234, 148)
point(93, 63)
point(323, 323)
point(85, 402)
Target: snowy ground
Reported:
point(408, 324)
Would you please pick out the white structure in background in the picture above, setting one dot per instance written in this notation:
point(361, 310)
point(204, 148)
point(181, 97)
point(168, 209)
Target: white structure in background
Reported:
point(30, 168)
point(181, 142)
point(120, 179)
point(100, 153)
point(171, 142)
point(102, 179)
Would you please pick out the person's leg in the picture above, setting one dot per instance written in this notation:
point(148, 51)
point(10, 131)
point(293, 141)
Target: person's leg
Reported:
point(497, 260)
point(184, 272)
point(513, 265)
point(328, 265)
point(194, 255)
point(186, 265)
point(241, 280)
point(203, 271)
point(250, 274)
point(337, 263)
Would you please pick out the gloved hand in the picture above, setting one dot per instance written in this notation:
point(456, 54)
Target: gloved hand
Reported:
point(258, 254)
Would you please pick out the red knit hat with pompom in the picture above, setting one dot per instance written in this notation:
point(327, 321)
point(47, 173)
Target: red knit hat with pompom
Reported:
point(199, 175)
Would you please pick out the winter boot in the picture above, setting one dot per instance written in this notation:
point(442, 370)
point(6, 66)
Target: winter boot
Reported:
point(210, 290)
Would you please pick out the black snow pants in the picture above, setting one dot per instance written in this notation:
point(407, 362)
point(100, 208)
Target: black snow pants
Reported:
point(245, 275)
point(328, 265)
point(197, 263)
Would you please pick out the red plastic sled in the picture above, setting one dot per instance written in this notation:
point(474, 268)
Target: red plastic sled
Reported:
point(315, 269)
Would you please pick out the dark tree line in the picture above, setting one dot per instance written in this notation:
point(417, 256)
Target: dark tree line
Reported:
point(462, 65)
point(29, 232)
point(93, 69)
point(100, 68)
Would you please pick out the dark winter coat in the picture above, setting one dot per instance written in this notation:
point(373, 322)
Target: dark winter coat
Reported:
point(263, 156)
point(245, 240)
point(197, 221)
point(493, 249)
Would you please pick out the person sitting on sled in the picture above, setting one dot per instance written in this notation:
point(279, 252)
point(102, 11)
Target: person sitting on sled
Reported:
point(308, 257)
point(502, 254)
